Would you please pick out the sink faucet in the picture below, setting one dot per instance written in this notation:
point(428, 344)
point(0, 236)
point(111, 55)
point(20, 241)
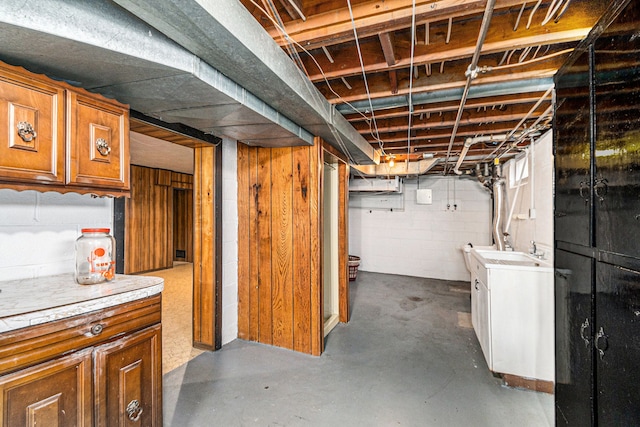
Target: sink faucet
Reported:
point(533, 250)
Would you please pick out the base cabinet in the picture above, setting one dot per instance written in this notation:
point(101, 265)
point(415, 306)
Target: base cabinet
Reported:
point(98, 369)
point(128, 380)
point(55, 393)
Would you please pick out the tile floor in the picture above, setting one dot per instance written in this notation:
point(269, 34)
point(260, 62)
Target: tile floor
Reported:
point(407, 358)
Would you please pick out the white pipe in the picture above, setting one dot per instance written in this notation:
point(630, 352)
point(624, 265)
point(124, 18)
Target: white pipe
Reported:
point(498, 194)
point(471, 73)
point(471, 141)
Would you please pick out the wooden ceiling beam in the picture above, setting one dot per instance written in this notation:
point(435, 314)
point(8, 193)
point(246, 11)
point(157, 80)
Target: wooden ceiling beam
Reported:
point(377, 16)
point(500, 38)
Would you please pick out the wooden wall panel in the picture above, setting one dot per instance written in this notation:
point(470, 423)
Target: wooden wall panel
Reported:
point(207, 263)
point(263, 220)
point(149, 220)
point(343, 242)
point(316, 168)
point(244, 261)
point(182, 224)
point(279, 269)
point(148, 223)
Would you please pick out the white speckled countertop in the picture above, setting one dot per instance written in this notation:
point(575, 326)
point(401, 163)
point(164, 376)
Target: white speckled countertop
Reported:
point(30, 302)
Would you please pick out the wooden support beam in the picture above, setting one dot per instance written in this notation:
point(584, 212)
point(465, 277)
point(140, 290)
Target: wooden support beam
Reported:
point(393, 82)
point(387, 41)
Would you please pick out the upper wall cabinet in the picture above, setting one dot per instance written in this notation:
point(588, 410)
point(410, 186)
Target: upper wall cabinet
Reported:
point(55, 137)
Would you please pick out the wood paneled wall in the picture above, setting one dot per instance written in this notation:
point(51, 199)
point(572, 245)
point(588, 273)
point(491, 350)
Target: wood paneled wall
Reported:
point(279, 253)
point(182, 224)
point(149, 219)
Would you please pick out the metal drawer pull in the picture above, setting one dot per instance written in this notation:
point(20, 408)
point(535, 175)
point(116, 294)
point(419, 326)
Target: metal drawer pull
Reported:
point(103, 146)
point(97, 329)
point(134, 410)
point(601, 188)
point(583, 327)
point(605, 342)
point(26, 131)
point(477, 289)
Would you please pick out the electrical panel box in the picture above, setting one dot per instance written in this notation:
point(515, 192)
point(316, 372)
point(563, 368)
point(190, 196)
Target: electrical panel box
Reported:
point(424, 196)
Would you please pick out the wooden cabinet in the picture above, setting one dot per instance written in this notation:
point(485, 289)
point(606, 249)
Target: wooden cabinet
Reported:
point(103, 368)
point(59, 137)
point(55, 393)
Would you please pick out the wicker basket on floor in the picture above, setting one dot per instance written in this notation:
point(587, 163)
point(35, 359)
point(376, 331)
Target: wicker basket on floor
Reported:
point(354, 262)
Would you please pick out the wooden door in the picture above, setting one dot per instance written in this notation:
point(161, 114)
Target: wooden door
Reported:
point(54, 394)
point(128, 380)
point(182, 225)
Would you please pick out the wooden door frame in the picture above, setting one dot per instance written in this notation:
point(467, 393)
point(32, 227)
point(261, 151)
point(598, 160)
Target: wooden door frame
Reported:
point(343, 228)
point(207, 264)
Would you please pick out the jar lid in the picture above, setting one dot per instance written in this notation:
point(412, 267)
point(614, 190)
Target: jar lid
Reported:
point(95, 230)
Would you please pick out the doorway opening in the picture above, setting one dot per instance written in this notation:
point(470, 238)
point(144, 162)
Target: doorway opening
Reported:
point(330, 256)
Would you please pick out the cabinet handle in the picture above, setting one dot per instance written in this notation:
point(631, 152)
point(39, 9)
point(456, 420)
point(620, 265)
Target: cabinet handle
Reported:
point(26, 131)
point(134, 410)
point(103, 146)
point(584, 185)
point(97, 329)
point(605, 342)
point(601, 188)
point(583, 327)
point(476, 285)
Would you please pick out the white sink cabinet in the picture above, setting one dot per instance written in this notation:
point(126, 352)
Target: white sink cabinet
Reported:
point(512, 312)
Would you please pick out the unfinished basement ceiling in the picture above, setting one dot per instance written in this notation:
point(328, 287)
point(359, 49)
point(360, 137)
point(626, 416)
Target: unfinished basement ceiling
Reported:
point(415, 55)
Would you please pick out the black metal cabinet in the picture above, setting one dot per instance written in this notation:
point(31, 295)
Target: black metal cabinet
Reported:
point(597, 226)
point(572, 131)
point(574, 331)
point(617, 344)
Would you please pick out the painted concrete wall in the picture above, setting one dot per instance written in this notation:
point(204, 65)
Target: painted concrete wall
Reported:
point(423, 240)
point(524, 229)
point(38, 230)
point(229, 240)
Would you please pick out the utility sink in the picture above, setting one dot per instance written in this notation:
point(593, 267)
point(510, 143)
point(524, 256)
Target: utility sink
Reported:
point(495, 258)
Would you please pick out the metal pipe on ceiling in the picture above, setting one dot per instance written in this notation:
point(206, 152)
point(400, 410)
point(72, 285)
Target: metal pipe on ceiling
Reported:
point(471, 73)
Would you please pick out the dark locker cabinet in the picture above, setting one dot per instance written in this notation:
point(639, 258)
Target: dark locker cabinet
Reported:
point(597, 225)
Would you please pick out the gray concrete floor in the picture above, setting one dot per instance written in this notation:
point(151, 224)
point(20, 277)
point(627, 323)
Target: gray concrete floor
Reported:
point(403, 360)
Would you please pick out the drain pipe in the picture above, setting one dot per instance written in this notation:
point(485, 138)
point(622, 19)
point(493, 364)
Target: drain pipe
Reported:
point(471, 73)
point(498, 201)
point(471, 141)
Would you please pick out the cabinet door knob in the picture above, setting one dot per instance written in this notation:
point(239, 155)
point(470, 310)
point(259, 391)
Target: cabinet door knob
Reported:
point(134, 410)
point(97, 329)
point(26, 131)
point(102, 145)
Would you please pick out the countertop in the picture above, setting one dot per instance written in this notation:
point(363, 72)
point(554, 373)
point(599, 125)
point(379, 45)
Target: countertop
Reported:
point(29, 302)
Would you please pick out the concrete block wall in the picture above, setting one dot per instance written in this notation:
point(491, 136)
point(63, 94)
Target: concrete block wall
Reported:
point(38, 230)
point(423, 240)
point(229, 240)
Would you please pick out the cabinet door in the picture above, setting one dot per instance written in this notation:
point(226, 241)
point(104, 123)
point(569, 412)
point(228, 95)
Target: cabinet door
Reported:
point(128, 380)
point(617, 155)
point(572, 140)
point(98, 142)
point(484, 323)
point(617, 341)
point(32, 124)
point(574, 343)
point(54, 394)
